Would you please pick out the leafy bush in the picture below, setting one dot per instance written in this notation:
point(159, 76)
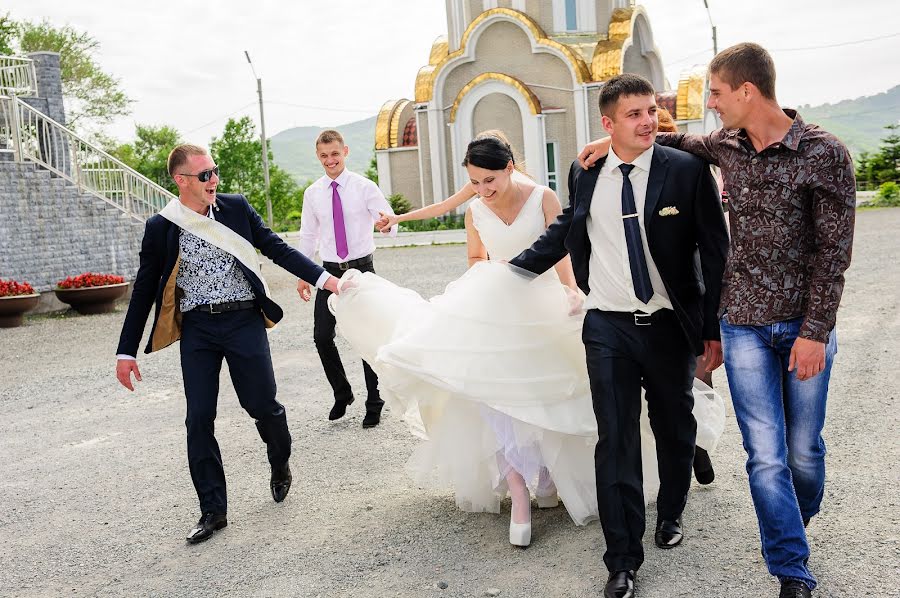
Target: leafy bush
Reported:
point(888, 195)
point(453, 222)
point(399, 204)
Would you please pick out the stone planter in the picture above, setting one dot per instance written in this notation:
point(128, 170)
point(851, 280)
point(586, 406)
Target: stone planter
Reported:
point(13, 308)
point(93, 300)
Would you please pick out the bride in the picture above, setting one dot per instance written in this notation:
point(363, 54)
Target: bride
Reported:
point(491, 375)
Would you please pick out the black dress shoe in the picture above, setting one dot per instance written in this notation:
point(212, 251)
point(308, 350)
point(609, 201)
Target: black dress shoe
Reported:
point(703, 468)
point(372, 419)
point(794, 588)
point(281, 482)
point(668, 533)
point(339, 409)
point(806, 521)
point(205, 528)
point(620, 585)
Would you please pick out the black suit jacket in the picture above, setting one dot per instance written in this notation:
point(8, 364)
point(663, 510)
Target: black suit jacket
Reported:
point(159, 257)
point(689, 248)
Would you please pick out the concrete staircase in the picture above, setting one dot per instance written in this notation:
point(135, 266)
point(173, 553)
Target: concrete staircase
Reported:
point(50, 229)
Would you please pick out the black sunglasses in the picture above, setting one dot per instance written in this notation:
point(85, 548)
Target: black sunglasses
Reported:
point(204, 175)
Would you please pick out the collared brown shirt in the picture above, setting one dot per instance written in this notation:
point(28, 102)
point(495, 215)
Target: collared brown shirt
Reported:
point(791, 213)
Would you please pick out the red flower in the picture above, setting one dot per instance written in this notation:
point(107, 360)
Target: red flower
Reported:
point(89, 279)
point(11, 288)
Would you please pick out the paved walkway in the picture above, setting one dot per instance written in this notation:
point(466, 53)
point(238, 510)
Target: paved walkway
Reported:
point(95, 496)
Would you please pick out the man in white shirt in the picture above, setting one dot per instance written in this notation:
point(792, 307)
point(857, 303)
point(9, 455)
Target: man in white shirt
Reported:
point(339, 214)
point(647, 239)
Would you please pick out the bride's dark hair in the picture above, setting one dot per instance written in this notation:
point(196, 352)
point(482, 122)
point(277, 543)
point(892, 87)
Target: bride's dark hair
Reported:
point(489, 153)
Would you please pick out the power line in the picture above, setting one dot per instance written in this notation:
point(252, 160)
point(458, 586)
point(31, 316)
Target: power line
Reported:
point(328, 108)
point(217, 119)
point(850, 43)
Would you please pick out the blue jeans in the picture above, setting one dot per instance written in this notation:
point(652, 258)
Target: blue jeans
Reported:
point(781, 421)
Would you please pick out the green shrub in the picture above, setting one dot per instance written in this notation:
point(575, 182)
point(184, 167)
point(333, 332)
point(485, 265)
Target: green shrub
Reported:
point(399, 204)
point(888, 195)
point(452, 222)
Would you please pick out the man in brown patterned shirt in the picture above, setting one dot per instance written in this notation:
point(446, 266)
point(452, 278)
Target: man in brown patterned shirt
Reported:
point(792, 206)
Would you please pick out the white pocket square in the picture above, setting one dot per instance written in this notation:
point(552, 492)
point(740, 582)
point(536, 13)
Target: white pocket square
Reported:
point(669, 211)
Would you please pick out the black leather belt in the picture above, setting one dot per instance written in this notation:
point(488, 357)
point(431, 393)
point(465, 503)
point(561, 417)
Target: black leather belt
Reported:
point(221, 308)
point(640, 318)
point(363, 261)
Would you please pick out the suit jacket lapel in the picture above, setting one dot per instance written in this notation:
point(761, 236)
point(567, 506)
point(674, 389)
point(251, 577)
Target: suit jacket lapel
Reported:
point(659, 169)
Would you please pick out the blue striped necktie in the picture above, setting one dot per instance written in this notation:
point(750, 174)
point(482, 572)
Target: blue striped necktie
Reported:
point(640, 276)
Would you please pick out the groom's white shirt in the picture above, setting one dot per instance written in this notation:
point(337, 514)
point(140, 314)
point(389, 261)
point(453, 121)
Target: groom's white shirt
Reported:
point(609, 274)
point(361, 200)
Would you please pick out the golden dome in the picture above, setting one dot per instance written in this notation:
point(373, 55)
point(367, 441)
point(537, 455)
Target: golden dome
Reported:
point(439, 50)
point(387, 125)
point(607, 61)
point(691, 84)
point(425, 78)
point(534, 104)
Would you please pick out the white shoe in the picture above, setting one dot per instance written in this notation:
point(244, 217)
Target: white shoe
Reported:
point(519, 533)
point(547, 502)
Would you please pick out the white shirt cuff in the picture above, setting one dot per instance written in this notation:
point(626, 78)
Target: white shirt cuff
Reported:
point(320, 284)
point(123, 356)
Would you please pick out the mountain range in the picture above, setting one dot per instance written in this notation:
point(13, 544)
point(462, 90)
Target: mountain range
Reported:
point(859, 123)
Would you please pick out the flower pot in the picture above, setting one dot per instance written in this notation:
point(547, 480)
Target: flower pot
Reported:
point(13, 308)
point(93, 300)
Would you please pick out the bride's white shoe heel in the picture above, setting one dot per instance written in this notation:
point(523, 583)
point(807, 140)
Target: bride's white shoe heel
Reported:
point(519, 533)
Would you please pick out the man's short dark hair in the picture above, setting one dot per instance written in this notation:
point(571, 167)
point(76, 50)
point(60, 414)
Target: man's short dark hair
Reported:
point(746, 63)
point(626, 84)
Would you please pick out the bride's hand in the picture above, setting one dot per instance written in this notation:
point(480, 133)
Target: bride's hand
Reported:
point(576, 301)
point(386, 222)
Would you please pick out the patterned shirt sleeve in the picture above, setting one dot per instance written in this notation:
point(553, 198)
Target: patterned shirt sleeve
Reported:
point(702, 146)
point(833, 188)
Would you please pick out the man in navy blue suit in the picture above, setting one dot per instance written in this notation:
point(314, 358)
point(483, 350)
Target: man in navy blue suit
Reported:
point(198, 264)
point(647, 238)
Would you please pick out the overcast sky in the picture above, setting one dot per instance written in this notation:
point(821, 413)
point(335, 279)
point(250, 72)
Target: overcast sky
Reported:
point(335, 61)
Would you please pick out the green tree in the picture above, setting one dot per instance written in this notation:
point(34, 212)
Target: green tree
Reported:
point(238, 155)
point(9, 32)
point(371, 172)
point(92, 95)
point(149, 153)
point(883, 166)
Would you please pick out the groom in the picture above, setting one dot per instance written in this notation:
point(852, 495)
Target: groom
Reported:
point(647, 238)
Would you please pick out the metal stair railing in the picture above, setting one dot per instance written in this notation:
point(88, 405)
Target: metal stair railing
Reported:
point(33, 136)
point(17, 76)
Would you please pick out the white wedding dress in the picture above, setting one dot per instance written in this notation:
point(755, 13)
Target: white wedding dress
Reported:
point(492, 374)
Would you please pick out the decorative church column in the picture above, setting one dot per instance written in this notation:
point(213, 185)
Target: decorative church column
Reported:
point(383, 160)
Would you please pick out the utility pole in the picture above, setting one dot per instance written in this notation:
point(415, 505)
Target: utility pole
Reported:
point(715, 42)
point(265, 145)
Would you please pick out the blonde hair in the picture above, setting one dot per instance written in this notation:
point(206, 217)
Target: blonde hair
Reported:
point(666, 123)
point(178, 156)
point(329, 135)
point(518, 162)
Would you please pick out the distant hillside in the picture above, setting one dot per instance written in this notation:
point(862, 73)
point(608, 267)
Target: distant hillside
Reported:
point(859, 123)
point(294, 149)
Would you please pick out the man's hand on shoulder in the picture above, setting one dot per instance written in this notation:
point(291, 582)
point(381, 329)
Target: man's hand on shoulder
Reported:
point(594, 151)
point(124, 369)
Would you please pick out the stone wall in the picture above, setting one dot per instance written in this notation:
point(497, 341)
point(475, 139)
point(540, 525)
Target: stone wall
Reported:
point(49, 230)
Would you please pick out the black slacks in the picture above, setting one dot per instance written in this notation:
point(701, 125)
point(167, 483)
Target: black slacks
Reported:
point(621, 358)
point(240, 338)
point(323, 336)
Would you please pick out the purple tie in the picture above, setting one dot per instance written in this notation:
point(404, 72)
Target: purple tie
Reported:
point(340, 233)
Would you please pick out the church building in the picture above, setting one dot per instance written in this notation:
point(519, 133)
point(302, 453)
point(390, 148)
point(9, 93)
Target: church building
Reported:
point(534, 70)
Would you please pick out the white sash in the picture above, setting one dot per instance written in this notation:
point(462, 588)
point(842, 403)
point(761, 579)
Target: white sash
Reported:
point(215, 233)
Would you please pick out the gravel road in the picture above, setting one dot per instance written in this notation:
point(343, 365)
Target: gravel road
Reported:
point(95, 495)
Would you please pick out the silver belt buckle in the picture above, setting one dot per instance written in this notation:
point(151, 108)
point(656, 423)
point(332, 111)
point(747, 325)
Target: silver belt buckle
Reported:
point(212, 309)
point(638, 317)
point(344, 266)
